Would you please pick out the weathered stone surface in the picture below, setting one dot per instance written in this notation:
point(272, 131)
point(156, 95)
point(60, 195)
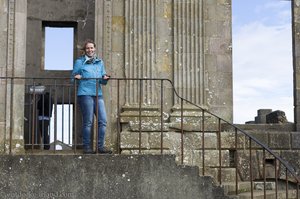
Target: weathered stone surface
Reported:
point(227, 174)
point(287, 127)
point(279, 140)
point(276, 117)
point(262, 137)
point(293, 161)
point(192, 126)
point(171, 140)
point(295, 139)
point(211, 158)
point(148, 126)
point(261, 116)
point(146, 116)
point(193, 140)
point(131, 140)
point(228, 140)
point(243, 165)
point(108, 176)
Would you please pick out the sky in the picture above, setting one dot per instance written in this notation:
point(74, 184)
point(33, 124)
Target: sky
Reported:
point(59, 57)
point(262, 58)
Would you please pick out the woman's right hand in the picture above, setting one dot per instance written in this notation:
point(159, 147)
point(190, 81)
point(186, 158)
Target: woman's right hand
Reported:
point(77, 76)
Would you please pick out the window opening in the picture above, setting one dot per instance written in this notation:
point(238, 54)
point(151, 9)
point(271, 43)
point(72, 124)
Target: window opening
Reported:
point(59, 48)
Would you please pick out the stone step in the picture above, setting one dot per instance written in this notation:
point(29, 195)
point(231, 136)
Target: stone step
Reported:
point(270, 194)
point(229, 187)
point(244, 190)
point(104, 176)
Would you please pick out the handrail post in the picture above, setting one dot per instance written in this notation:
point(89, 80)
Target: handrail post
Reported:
point(297, 190)
point(220, 151)
point(276, 179)
point(250, 162)
point(118, 118)
point(75, 116)
point(55, 116)
point(33, 117)
point(203, 145)
point(161, 117)
point(140, 116)
point(235, 162)
point(11, 115)
point(97, 115)
point(69, 115)
point(264, 171)
point(63, 113)
point(286, 183)
point(181, 123)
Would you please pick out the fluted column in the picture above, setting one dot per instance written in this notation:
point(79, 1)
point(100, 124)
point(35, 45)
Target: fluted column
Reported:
point(188, 50)
point(12, 106)
point(140, 49)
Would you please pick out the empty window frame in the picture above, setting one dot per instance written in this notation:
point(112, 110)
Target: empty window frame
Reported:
point(58, 45)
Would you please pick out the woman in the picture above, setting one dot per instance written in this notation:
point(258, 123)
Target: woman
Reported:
point(86, 68)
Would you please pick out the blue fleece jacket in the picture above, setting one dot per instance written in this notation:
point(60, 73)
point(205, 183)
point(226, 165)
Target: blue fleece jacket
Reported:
point(89, 69)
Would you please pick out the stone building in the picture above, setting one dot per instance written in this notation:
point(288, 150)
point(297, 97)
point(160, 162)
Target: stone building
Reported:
point(143, 42)
point(188, 42)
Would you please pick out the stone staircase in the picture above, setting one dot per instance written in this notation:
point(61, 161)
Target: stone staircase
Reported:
point(278, 137)
point(103, 176)
point(244, 191)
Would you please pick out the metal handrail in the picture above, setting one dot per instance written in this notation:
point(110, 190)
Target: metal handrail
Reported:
point(251, 138)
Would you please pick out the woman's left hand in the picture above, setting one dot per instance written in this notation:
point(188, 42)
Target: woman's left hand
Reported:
point(106, 77)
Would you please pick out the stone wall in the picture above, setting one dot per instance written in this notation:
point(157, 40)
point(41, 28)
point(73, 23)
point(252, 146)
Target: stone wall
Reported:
point(186, 41)
point(98, 176)
point(13, 40)
point(279, 138)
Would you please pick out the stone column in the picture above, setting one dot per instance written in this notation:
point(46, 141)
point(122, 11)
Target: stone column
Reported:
point(202, 55)
point(188, 50)
point(108, 37)
point(218, 57)
point(140, 49)
point(12, 102)
point(296, 60)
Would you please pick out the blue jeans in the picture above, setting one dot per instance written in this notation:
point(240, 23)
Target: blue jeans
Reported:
point(88, 109)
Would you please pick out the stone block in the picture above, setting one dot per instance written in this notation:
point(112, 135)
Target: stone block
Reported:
point(118, 38)
point(227, 174)
point(211, 158)
point(276, 117)
point(193, 140)
point(292, 158)
point(146, 152)
point(171, 140)
point(279, 140)
point(295, 140)
point(261, 136)
point(130, 140)
point(228, 140)
point(190, 125)
point(148, 127)
point(261, 116)
point(243, 164)
point(118, 7)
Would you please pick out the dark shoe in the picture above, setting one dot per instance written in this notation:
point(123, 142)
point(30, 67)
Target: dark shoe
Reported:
point(104, 151)
point(88, 151)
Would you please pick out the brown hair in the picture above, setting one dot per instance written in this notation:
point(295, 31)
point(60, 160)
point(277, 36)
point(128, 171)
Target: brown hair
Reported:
point(88, 41)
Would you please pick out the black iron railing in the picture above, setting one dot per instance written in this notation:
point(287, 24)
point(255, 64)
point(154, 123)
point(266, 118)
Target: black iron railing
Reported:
point(62, 93)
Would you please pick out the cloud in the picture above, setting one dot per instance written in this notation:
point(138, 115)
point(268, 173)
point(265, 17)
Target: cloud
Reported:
point(263, 70)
